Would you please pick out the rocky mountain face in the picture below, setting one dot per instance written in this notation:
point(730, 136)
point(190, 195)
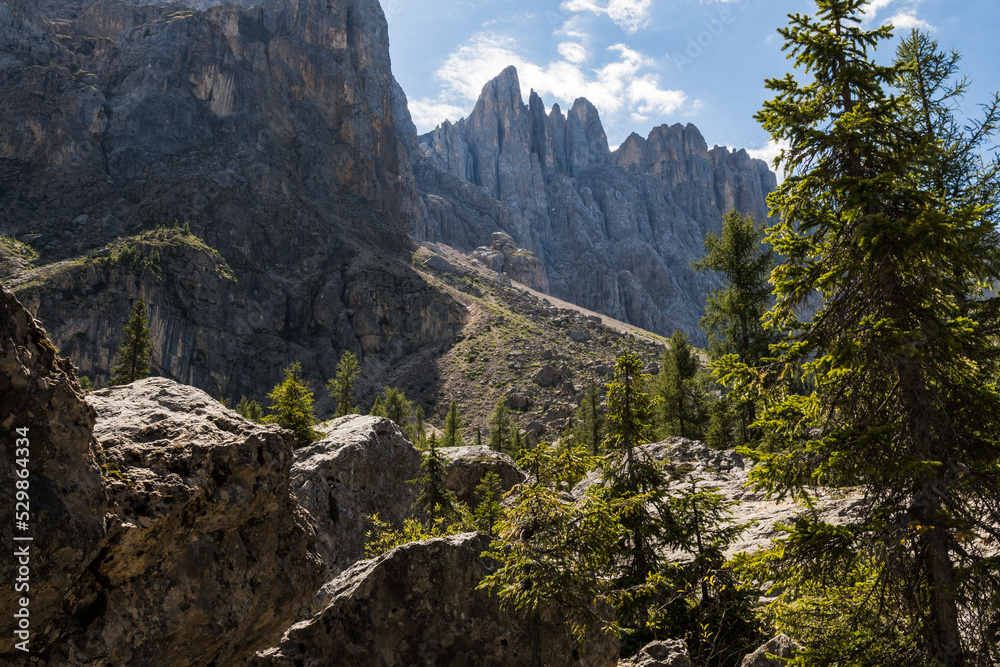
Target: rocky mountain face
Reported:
point(267, 127)
point(614, 231)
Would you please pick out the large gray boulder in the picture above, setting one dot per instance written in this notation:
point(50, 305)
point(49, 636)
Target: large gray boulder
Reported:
point(662, 653)
point(468, 465)
point(209, 557)
point(363, 466)
point(418, 605)
point(781, 646)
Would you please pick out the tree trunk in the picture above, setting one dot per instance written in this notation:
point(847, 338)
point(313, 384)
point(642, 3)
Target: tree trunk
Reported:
point(945, 641)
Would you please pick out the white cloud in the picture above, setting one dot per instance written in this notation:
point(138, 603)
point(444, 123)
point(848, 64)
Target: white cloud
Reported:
point(573, 52)
point(907, 20)
point(430, 113)
point(904, 18)
point(616, 86)
point(630, 15)
point(768, 152)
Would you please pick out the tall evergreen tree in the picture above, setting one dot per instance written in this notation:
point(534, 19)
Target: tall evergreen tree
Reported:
point(501, 428)
point(341, 386)
point(684, 404)
point(589, 426)
point(435, 501)
point(734, 312)
point(452, 427)
point(902, 349)
point(397, 407)
point(629, 472)
point(292, 405)
point(135, 351)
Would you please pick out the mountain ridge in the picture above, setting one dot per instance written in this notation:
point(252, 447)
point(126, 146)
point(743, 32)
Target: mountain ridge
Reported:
point(615, 230)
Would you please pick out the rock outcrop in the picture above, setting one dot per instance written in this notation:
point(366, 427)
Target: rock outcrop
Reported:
point(781, 646)
point(468, 465)
point(270, 128)
point(65, 504)
point(662, 653)
point(614, 231)
point(209, 554)
point(165, 530)
point(418, 605)
point(363, 466)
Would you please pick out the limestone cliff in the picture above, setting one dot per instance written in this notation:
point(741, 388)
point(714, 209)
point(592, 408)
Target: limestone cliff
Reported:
point(267, 127)
point(615, 231)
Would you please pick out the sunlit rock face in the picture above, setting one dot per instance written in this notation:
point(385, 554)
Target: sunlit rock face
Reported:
point(615, 231)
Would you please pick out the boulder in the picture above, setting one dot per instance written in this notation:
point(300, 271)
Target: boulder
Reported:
point(662, 653)
point(418, 605)
point(209, 557)
point(781, 646)
point(468, 465)
point(66, 497)
point(579, 335)
point(362, 467)
point(518, 401)
point(547, 376)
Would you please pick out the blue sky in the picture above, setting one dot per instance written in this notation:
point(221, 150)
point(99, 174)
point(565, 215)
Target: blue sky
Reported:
point(644, 62)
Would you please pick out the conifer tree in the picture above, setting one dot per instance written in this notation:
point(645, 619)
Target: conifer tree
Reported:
point(487, 511)
point(397, 407)
point(250, 409)
point(378, 408)
point(341, 387)
point(435, 501)
point(902, 350)
point(452, 427)
point(135, 351)
point(417, 430)
point(683, 407)
point(292, 406)
point(500, 428)
point(589, 426)
point(629, 472)
point(734, 312)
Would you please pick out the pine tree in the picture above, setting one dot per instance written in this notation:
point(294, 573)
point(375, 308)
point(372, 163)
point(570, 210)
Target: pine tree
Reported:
point(589, 426)
point(378, 408)
point(135, 352)
point(902, 348)
point(629, 472)
point(341, 387)
point(734, 312)
point(397, 407)
point(292, 406)
point(417, 430)
point(683, 407)
point(250, 409)
point(435, 501)
point(452, 427)
point(500, 428)
point(487, 511)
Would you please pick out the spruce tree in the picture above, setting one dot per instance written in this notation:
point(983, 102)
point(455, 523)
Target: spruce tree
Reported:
point(378, 408)
point(341, 387)
point(452, 427)
point(292, 406)
point(397, 407)
point(589, 426)
point(683, 407)
point(902, 350)
point(435, 501)
point(135, 351)
point(250, 409)
point(734, 312)
point(629, 471)
point(500, 428)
